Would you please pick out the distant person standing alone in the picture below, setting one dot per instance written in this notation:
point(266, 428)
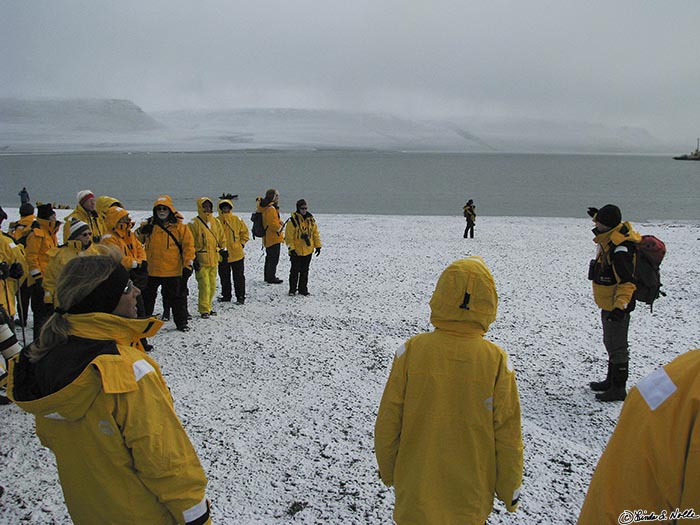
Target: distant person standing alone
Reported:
point(23, 196)
point(470, 216)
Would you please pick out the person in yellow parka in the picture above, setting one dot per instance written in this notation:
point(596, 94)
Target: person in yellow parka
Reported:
point(13, 268)
point(210, 249)
point(170, 253)
point(85, 211)
point(79, 244)
point(651, 464)
point(448, 432)
point(40, 241)
point(237, 235)
point(612, 273)
point(273, 239)
point(103, 408)
point(19, 230)
point(302, 238)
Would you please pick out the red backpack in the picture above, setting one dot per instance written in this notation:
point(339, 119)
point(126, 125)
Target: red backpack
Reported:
point(647, 278)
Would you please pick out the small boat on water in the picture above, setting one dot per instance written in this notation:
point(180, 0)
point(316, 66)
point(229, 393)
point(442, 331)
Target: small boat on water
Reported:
point(693, 155)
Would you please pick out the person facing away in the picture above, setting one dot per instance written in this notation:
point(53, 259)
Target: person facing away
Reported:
point(170, 253)
point(613, 291)
point(302, 238)
point(85, 211)
point(237, 235)
point(448, 432)
point(273, 239)
point(656, 445)
point(24, 196)
point(103, 408)
point(209, 249)
point(470, 215)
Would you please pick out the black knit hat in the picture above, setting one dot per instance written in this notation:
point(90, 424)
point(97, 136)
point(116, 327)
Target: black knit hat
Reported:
point(26, 209)
point(609, 215)
point(300, 203)
point(106, 295)
point(44, 211)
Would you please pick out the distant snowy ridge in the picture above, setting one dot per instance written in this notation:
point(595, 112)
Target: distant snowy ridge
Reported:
point(34, 126)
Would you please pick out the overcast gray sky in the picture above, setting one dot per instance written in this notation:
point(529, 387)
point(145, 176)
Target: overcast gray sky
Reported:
point(618, 62)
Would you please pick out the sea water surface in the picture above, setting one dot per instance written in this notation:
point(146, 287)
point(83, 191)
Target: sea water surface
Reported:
point(368, 182)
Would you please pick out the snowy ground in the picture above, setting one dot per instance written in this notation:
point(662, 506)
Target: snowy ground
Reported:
point(280, 396)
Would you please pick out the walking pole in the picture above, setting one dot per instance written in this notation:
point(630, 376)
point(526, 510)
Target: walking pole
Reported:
point(22, 316)
point(7, 301)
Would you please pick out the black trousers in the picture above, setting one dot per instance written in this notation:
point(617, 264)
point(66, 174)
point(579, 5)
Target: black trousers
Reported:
point(226, 269)
point(272, 257)
point(615, 337)
point(173, 295)
point(469, 229)
point(24, 295)
point(299, 273)
point(40, 310)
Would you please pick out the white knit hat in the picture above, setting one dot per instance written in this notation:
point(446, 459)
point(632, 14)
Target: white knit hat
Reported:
point(76, 228)
point(84, 195)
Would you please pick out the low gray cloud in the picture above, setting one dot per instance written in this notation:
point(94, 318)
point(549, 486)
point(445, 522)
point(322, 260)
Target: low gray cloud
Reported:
point(619, 63)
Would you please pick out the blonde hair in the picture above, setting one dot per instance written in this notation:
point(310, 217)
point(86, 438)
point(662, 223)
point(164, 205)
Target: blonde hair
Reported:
point(79, 277)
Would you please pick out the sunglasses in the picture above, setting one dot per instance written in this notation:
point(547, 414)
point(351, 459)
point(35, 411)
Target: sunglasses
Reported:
point(129, 286)
point(86, 234)
point(303, 208)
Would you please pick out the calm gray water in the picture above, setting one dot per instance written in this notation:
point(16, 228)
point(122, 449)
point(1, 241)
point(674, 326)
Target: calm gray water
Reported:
point(370, 182)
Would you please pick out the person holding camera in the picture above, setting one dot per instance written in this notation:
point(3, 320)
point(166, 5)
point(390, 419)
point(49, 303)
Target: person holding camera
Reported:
point(237, 235)
point(302, 238)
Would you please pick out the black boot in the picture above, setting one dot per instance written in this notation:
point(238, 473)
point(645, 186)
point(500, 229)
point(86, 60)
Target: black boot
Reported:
point(617, 391)
point(602, 386)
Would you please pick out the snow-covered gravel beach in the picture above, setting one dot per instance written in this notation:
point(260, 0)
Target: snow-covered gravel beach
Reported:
point(279, 396)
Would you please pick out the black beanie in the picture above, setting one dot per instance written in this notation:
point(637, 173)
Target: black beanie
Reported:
point(300, 203)
point(106, 295)
point(26, 209)
point(609, 215)
point(44, 211)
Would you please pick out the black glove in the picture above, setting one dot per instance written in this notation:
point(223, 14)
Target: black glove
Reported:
point(592, 211)
point(616, 315)
point(318, 251)
point(224, 255)
point(16, 271)
point(96, 238)
point(39, 281)
point(187, 272)
point(146, 229)
point(4, 270)
point(143, 267)
point(292, 253)
point(196, 265)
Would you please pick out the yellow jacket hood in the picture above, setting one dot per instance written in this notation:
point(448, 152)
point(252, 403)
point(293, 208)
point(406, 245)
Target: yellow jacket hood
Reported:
point(104, 203)
point(623, 232)
point(200, 206)
point(465, 297)
point(165, 200)
point(224, 201)
point(113, 215)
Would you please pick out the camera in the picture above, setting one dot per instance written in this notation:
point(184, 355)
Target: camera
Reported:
point(10, 348)
point(4, 270)
point(305, 236)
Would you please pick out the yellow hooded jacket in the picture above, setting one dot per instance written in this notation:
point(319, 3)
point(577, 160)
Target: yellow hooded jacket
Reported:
point(58, 258)
point(652, 461)
point(613, 285)
point(121, 236)
point(163, 254)
point(448, 432)
point(208, 235)
point(20, 229)
point(298, 225)
point(102, 204)
point(11, 253)
point(122, 454)
point(40, 241)
point(235, 231)
point(272, 224)
point(91, 218)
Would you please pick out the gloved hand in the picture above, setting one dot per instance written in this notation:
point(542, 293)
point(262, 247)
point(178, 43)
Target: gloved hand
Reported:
point(592, 211)
point(292, 253)
point(146, 229)
point(196, 265)
point(143, 267)
point(4, 270)
point(16, 271)
point(96, 238)
point(616, 315)
point(187, 272)
point(224, 254)
point(39, 281)
point(318, 251)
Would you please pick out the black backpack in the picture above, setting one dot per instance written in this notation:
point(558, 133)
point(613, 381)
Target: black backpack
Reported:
point(647, 278)
point(258, 228)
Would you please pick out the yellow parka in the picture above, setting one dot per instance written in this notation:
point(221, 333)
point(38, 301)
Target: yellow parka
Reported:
point(272, 224)
point(165, 259)
point(102, 204)
point(122, 454)
point(121, 236)
point(652, 461)
point(91, 218)
point(11, 253)
point(40, 241)
point(58, 258)
point(208, 235)
point(235, 231)
point(299, 226)
point(20, 229)
point(448, 432)
point(611, 245)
